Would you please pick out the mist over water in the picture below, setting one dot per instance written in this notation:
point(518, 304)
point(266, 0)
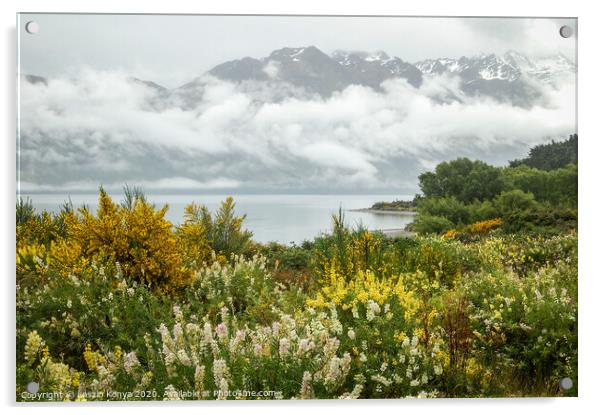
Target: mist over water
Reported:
point(282, 218)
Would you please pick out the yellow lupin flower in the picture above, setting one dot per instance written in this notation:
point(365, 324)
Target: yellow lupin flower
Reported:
point(90, 357)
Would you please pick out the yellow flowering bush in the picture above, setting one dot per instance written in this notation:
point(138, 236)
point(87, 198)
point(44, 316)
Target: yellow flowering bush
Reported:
point(484, 226)
point(139, 238)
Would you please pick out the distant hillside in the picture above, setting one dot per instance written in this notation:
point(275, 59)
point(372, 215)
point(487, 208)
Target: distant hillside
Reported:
point(551, 156)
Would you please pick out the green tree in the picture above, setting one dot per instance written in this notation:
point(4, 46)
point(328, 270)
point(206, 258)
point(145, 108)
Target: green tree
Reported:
point(464, 179)
point(551, 156)
point(556, 186)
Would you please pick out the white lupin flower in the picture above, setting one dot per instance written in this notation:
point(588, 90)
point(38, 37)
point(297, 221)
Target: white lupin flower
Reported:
point(382, 380)
point(306, 391)
point(304, 346)
point(257, 349)
point(284, 347)
point(170, 394)
point(130, 361)
point(372, 308)
point(220, 370)
point(223, 388)
point(355, 312)
point(199, 377)
point(414, 341)
point(222, 332)
point(184, 358)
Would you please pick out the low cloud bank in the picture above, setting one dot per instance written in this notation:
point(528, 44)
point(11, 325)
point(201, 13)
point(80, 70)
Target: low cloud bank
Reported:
point(103, 128)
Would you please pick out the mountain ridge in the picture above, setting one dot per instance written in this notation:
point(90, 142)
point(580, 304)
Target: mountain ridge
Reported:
point(306, 71)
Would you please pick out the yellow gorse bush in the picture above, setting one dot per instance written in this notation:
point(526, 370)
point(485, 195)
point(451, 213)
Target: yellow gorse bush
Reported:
point(484, 226)
point(139, 238)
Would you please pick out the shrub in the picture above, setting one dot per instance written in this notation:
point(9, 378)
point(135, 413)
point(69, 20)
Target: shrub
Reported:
point(138, 237)
point(97, 307)
point(484, 226)
point(526, 327)
point(426, 224)
point(448, 207)
point(245, 286)
point(290, 264)
point(224, 232)
point(348, 250)
point(441, 259)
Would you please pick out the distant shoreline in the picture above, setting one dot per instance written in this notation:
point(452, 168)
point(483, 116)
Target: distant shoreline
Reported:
point(396, 233)
point(385, 211)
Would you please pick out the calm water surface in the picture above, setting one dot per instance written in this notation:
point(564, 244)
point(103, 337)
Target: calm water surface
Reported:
point(281, 218)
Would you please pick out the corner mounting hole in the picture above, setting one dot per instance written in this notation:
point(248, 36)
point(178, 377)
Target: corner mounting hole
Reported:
point(32, 27)
point(566, 31)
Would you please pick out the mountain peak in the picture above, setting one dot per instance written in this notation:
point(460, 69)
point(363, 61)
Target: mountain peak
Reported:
point(309, 68)
point(296, 54)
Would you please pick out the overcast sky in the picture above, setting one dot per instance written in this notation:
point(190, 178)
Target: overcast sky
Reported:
point(171, 49)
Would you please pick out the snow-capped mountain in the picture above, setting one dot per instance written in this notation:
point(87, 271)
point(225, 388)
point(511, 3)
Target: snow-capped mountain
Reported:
point(506, 78)
point(315, 71)
point(305, 72)
point(480, 67)
point(371, 69)
point(510, 66)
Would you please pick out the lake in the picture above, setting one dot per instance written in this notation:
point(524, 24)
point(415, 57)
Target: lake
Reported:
point(282, 218)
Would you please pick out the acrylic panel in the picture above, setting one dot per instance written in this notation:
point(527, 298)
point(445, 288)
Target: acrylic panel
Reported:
point(295, 207)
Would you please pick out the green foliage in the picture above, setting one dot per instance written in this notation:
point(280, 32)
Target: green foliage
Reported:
point(244, 288)
point(97, 307)
point(464, 179)
point(400, 205)
point(441, 260)
point(423, 316)
point(531, 195)
point(514, 201)
point(551, 156)
point(425, 224)
point(447, 207)
point(25, 211)
point(348, 250)
point(532, 322)
point(224, 232)
point(556, 186)
point(480, 211)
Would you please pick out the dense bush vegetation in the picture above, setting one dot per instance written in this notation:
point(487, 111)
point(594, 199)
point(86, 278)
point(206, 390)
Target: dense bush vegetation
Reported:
point(530, 195)
point(120, 304)
point(399, 205)
point(551, 156)
point(351, 314)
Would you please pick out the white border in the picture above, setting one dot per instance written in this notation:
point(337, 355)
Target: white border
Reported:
point(590, 73)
